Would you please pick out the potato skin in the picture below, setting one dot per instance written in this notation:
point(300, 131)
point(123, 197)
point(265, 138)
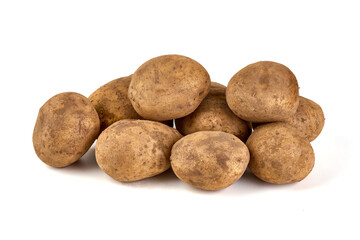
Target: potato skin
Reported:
point(209, 160)
point(308, 120)
point(279, 154)
point(131, 150)
point(112, 103)
point(213, 114)
point(66, 127)
point(263, 92)
point(168, 87)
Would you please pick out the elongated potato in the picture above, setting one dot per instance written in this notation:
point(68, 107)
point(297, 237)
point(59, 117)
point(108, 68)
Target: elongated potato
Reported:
point(213, 114)
point(279, 154)
point(263, 92)
point(131, 150)
point(66, 127)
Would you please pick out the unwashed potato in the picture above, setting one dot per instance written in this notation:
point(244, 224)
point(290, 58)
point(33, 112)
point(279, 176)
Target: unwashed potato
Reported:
point(209, 160)
point(168, 87)
point(308, 120)
point(112, 103)
point(66, 127)
point(279, 154)
point(213, 114)
point(131, 150)
point(263, 92)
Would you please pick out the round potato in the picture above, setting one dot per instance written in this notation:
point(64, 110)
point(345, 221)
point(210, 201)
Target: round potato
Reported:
point(66, 127)
point(209, 160)
point(131, 150)
point(168, 87)
point(279, 154)
point(112, 103)
point(308, 120)
point(213, 114)
point(263, 92)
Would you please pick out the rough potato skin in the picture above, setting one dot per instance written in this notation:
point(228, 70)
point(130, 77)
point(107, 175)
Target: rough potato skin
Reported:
point(131, 150)
point(112, 103)
point(308, 120)
point(213, 114)
point(66, 127)
point(168, 87)
point(263, 92)
point(279, 154)
point(209, 160)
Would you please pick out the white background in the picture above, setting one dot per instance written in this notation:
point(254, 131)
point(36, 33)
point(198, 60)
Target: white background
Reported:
point(47, 47)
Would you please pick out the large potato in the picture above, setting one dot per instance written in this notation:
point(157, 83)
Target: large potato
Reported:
point(131, 150)
point(209, 160)
point(112, 103)
point(279, 154)
point(66, 127)
point(263, 92)
point(213, 114)
point(168, 87)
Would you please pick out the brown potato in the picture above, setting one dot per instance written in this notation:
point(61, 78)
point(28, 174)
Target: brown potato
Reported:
point(131, 150)
point(279, 154)
point(213, 114)
point(66, 127)
point(168, 87)
point(112, 103)
point(308, 120)
point(209, 160)
point(263, 92)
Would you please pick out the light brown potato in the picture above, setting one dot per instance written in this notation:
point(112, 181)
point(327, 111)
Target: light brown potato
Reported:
point(66, 127)
point(213, 114)
point(279, 154)
point(263, 92)
point(112, 103)
point(209, 160)
point(168, 87)
point(308, 120)
point(131, 150)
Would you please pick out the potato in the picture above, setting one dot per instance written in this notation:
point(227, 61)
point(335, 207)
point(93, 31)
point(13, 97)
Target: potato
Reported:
point(112, 103)
point(131, 150)
point(209, 160)
point(168, 87)
point(279, 154)
point(213, 114)
point(263, 92)
point(308, 120)
point(66, 127)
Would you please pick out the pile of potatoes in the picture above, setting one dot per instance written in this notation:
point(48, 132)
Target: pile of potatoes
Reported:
point(258, 121)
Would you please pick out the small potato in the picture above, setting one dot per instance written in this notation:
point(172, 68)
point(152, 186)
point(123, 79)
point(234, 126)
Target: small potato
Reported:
point(279, 154)
point(213, 114)
point(112, 103)
point(209, 160)
point(168, 87)
point(308, 120)
point(66, 127)
point(263, 92)
point(131, 150)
